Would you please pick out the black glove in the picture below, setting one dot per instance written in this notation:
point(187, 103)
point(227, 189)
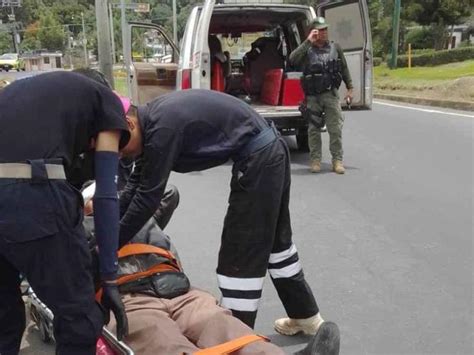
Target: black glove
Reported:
point(112, 301)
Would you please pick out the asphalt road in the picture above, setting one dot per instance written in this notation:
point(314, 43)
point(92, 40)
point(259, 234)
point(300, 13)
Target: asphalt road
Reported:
point(387, 248)
point(14, 75)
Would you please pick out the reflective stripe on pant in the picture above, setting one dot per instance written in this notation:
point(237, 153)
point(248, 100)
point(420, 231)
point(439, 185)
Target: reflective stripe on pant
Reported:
point(41, 236)
point(327, 102)
point(257, 236)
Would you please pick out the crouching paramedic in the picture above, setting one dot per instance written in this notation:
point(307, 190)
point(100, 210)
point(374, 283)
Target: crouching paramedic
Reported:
point(49, 124)
point(194, 130)
point(168, 316)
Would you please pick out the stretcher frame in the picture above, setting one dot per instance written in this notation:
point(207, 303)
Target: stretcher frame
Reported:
point(43, 318)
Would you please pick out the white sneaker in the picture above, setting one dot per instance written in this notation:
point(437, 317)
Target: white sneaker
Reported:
point(289, 326)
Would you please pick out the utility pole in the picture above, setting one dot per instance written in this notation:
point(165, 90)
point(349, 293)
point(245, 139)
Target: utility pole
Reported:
point(112, 33)
point(69, 46)
point(84, 41)
point(13, 25)
point(14, 33)
point(175, 27)
point(395, 33)
point(103, 40)
point(125, 44)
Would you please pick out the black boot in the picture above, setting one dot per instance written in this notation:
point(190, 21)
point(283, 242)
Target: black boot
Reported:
point(325, 342)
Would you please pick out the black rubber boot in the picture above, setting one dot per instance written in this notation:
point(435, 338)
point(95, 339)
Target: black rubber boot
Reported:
point(325, 342)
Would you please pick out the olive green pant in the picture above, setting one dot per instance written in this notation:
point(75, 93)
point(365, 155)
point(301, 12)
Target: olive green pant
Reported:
point(327, 102)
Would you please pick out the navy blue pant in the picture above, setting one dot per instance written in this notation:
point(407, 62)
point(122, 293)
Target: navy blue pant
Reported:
point(42, 237)
point(257, 237)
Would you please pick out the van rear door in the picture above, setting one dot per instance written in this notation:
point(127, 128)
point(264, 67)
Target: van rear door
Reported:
point(201, 60)
point(153, 62)
point(349, 26)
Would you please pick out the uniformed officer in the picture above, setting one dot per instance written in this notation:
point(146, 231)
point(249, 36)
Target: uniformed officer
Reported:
point(194, 130)
point(50, 125)
point(324, 66)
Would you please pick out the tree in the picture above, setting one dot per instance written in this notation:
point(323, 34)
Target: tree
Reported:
point(439, 15)
point(51, 33)
point(5, 42)
point(30, 38)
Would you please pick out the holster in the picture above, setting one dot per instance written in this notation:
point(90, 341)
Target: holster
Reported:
point(316, 118)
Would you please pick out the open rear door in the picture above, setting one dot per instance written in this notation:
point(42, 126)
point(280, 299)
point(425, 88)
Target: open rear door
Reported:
point(153, 62)
point(201, 71)
point(349, 25)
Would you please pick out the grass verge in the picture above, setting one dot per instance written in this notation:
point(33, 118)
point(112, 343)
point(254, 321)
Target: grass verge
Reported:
point(454, 81)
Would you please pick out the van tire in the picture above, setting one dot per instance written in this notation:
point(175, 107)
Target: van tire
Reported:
point(302, 142)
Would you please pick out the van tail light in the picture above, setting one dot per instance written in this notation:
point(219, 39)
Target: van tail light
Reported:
point(186, 79)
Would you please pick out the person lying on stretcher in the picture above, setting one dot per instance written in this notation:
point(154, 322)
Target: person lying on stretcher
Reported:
point(168, 316)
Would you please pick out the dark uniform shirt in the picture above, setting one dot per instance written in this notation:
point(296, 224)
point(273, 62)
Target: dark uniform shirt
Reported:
point(184, 131)
point(55, 115)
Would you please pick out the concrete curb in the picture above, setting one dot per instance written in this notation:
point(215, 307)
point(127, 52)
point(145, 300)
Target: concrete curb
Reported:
point(459, 105)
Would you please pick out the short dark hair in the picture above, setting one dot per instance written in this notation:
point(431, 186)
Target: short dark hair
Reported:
point(94, 75)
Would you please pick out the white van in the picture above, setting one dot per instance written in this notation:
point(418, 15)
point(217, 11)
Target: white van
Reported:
point(241, 47)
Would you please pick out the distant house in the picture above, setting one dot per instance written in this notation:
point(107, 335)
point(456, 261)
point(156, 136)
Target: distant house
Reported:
point(460, 33)
point(42, 60)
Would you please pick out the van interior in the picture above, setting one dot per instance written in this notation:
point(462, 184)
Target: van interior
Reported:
point(249, 52)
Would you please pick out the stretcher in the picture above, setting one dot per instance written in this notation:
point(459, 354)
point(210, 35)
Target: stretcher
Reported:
point(108, 344)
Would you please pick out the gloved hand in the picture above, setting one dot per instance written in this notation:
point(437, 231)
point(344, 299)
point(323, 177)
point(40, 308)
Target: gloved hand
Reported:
point(112, 301)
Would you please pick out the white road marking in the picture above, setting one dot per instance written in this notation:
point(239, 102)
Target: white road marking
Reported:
point(424, 109)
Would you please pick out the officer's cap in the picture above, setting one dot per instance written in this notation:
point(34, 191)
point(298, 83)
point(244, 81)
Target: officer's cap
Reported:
point(318, 23)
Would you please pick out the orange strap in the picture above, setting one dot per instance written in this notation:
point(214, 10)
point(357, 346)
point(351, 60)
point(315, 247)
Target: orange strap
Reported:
point(137, 249)
point(151, 271)
point(231, 346)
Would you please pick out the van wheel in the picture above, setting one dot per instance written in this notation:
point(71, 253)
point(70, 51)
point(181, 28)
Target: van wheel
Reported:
point(302, 142)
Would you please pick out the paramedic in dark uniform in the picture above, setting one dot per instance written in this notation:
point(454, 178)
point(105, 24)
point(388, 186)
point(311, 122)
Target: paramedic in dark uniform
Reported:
point(125, 165)
point(50, 125)
point(194, 130)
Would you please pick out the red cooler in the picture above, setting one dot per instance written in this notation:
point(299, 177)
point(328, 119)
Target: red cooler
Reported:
point(292, 93)
point(271, 87)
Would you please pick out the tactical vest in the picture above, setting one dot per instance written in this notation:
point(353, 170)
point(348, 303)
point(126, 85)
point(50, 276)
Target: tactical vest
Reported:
point(323, 71)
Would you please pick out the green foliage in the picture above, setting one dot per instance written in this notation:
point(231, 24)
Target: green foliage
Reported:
point(421, 51)
point(30, 38)
point(437, 15)
point(382, 37)
point(466, 43)
point(420, 38)
point(29, 44)
point(438, 57)
point(51, 33)
point(6, 43)
point(442, 12)
point(426, 74)
point(434, 14)
point(377, 61)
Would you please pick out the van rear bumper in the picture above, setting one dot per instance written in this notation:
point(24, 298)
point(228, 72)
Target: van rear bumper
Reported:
point(287, 119)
